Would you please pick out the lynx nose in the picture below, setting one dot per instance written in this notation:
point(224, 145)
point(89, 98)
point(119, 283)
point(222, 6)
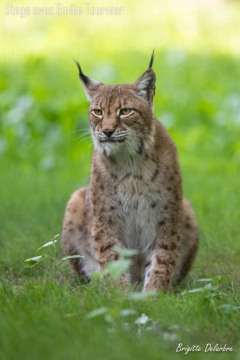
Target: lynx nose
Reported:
point(108, 132)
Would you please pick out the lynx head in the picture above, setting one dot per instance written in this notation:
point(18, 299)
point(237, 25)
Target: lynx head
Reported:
point(121, 115)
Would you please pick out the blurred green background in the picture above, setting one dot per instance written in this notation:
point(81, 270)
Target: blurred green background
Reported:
point(197, 54)
point(45, 154)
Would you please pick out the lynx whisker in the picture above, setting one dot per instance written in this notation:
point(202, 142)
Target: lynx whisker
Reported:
point(86, 138)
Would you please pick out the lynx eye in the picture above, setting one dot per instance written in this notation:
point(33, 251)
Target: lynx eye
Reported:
point(97, 112)
point(125, 111)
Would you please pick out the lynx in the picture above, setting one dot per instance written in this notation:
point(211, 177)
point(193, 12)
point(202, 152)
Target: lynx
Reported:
point(134, 198)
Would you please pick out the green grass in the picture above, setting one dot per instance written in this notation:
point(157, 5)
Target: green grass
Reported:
point(44, 311)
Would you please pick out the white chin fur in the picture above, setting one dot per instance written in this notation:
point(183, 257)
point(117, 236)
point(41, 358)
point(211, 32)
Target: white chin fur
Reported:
point(118, 149)
point(110, 148)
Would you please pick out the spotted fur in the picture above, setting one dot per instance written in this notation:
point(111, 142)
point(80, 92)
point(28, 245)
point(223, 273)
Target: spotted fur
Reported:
point(134, 198)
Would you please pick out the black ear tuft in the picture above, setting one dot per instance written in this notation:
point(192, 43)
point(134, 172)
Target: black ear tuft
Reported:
point(83, 77)
point(145, 85)
point(151, 60)
point(91, 86)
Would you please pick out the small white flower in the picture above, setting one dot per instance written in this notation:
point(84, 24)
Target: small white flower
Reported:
point(142, 320)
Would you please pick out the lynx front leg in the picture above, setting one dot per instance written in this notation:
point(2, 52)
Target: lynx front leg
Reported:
point(104, 239)
point(164, 258)
point(104, 234)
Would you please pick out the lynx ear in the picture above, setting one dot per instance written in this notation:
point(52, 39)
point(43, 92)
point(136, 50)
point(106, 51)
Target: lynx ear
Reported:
point(90, 85)
point(145, 85)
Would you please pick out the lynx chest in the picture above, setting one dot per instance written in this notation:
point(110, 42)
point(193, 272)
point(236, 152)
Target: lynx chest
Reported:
point(139, 211)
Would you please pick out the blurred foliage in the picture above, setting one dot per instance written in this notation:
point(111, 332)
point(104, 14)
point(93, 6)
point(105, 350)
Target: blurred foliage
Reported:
point(43, 110)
